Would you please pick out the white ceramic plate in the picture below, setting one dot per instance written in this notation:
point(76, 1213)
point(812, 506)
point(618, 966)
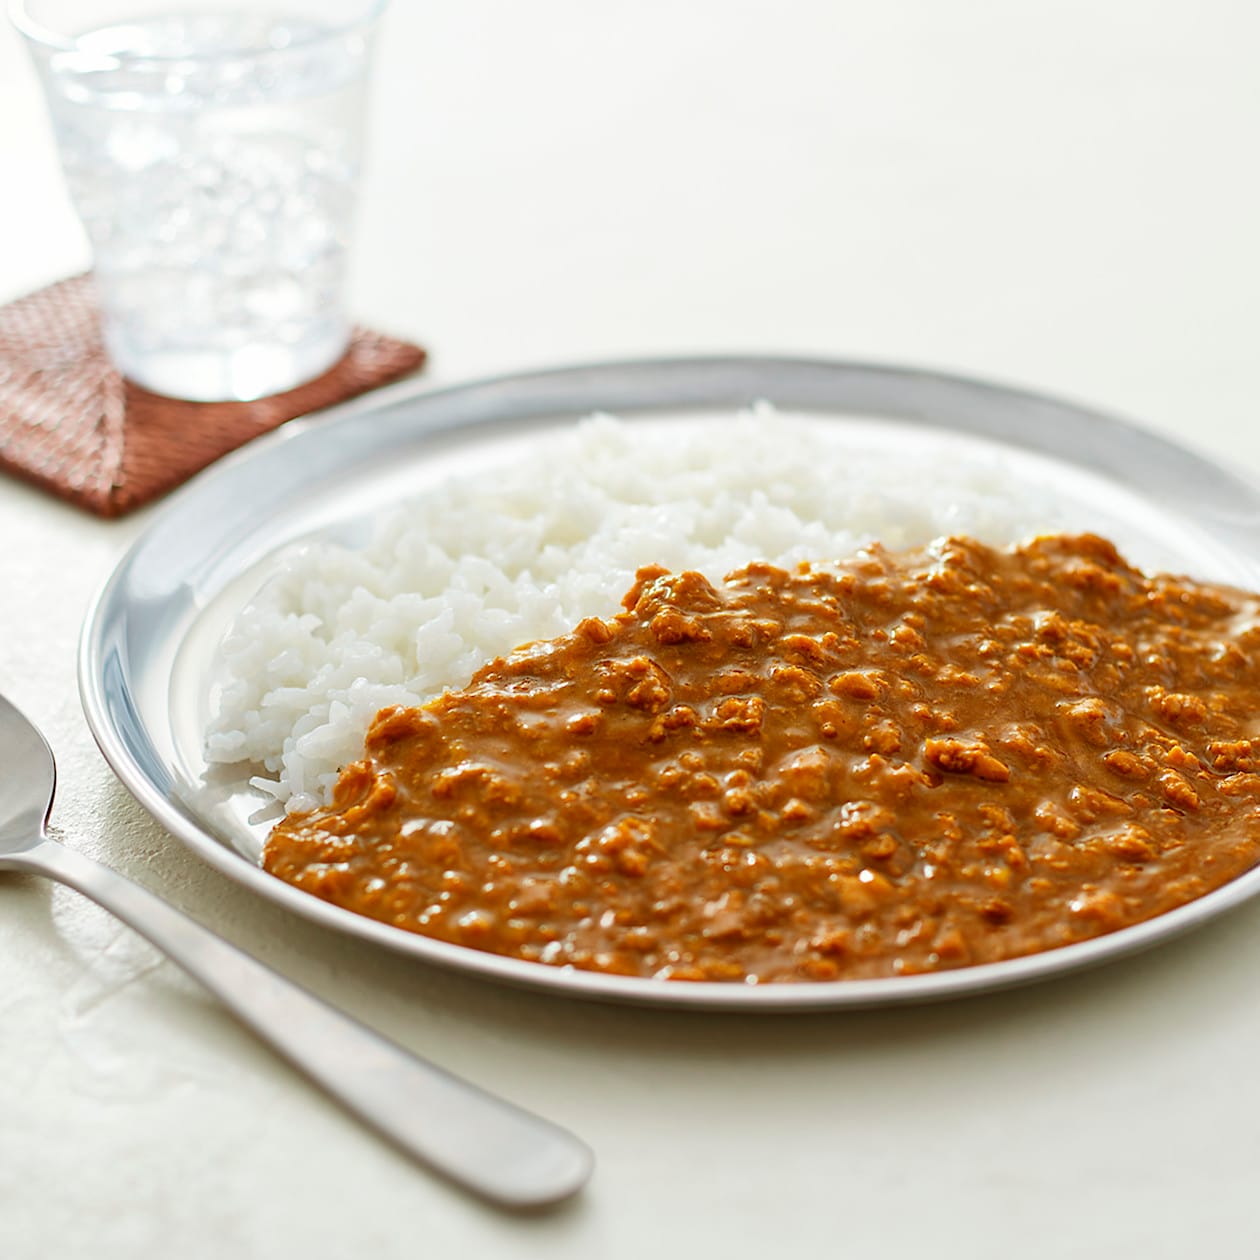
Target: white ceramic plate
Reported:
point(148, 646)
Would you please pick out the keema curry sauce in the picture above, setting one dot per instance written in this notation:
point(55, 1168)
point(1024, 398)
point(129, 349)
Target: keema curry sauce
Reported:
point(906, 763)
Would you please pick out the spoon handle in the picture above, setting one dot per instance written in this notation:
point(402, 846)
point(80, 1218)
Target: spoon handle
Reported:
point(488, 1145)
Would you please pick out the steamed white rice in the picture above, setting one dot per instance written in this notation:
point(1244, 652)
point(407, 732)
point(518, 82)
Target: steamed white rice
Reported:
point(481, 564)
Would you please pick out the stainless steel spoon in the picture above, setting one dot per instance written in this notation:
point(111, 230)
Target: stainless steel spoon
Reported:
point(484, 1143)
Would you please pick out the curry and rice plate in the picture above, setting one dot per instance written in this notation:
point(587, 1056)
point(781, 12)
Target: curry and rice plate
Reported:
point(896, 762)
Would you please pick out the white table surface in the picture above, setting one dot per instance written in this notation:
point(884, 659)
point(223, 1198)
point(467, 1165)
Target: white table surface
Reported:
point(1061, 193)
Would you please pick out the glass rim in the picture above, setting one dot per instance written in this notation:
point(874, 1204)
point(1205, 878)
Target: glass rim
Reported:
point(45, 37)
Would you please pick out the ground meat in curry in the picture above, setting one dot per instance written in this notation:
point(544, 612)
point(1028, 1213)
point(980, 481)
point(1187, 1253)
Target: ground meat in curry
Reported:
point(912, 762)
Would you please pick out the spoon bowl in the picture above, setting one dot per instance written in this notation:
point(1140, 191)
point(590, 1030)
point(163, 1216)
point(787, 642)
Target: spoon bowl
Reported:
point(483, 1143)
point(28, 777)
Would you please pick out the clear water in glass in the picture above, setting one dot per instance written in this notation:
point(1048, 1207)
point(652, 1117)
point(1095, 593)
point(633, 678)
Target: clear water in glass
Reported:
point(213, 159)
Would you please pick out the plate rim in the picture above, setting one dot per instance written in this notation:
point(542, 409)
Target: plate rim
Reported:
point(109, 726)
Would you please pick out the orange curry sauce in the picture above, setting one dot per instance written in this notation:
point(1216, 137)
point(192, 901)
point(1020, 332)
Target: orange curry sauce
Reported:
point(917, 761)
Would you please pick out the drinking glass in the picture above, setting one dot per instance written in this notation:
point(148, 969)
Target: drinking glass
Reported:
point(212, 150)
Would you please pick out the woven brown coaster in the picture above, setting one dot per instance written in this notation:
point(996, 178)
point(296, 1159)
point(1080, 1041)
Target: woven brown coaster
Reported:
point(71, 424)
